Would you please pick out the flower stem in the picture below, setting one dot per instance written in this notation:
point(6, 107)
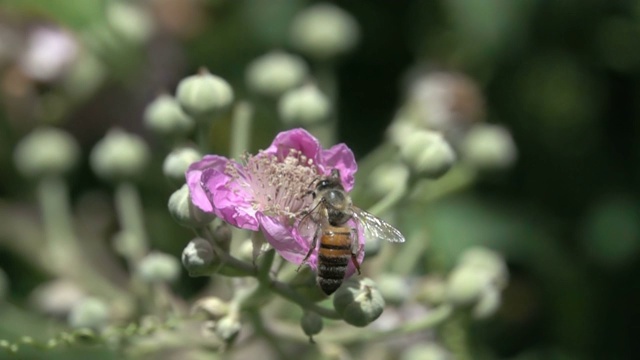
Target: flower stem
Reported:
point(454, 334)
point(241, 129)
point(129, 210)
point(388, 201)
point(326, 132)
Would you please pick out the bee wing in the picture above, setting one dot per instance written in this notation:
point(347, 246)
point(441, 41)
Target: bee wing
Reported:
point(307, 226)
point(376, 227)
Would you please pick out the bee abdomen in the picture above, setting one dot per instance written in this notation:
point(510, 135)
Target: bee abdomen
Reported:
point(331, 269)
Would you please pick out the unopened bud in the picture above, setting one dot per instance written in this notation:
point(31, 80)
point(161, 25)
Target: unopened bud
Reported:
point(486, 261)
point(304, 106)
point(394, 288)
point(228, 328)
point(197, 257)
point(211, 307)
point(488, 303)
point(324, 31)
point(90, 313)
point(465, 285)
point(177, 162)
point(127, 244)
point(427, 153)
point(432, 291)
point(203, 95)
point(46, 151)
point(165, 117)
point(158, 267)
point(388, 176)
point(311, 324)
point(489, 147)
point(119, 156)
point(430, 351)
point(274, 73)
point(129, 21)
point(359, 302)
point(184, 212)
point(222, 236)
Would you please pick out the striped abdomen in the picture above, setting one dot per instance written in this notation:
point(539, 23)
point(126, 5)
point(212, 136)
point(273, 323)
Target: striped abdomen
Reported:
point(333, 257)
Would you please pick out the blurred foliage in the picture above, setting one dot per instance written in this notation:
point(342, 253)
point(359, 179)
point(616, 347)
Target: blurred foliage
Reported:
point(563, 76)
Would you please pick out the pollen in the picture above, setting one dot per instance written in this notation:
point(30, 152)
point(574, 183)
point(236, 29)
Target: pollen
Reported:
point(280, 185)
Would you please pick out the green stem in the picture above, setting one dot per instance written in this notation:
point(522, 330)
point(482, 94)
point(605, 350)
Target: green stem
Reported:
point(203, 130)
point(326, 132)
point(130, 217)
point(454, 335)
point(388, 201)
point(241, 129)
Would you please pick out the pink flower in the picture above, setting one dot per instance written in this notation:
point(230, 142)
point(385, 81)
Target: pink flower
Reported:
point(268, 191)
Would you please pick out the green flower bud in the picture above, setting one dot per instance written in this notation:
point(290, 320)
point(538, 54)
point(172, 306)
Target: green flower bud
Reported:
point(46, 151)
point(488, 303)
point(129, 21)
point(177, 162)
point(90, 313)
point(222, 236)
point(4, 285)
point(228, 327)
point(394, 288)
point(489, 147)
point(211, 307)
point(57, 298)
point(487, 261)
point(127, 245)
point(85, 77)
point(184, 212)
point(465, 285)
point(432, 291)
point(198, 257)
point(274, 73)
point(311, 324)
point(429, 351)
point(324, 31)
point(165, 117)
point(203, 95)
point(119, 156)
point(158, 267)
point(359, 302)
point(427, 153)
point(305, 106)
point(386, 177)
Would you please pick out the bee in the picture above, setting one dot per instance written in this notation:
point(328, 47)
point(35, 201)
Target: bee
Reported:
point(329, 222)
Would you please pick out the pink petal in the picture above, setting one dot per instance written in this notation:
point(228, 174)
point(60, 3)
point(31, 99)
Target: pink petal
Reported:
point(199, 196)
point(340, 157)
point(280, 237)
point(231, 202)
point(298, 139)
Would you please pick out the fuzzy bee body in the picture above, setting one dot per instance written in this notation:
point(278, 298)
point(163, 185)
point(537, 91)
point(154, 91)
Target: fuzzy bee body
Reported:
point(329, 215)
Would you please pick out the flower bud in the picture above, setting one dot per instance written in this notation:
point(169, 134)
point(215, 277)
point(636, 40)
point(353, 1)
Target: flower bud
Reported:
point(57, 298)
point(212, 307)
point(222, 236)
point(203, 95)
point(386, 177)
point(276, 72)
point(127, 245)
point(119, 156)
point(305, 106)
point(427, 153)
point(129, 21)
point(311, 324)
point(394, 288)
point(90, 313)
point(487, 261)
point(197, 257)
point(177, 162)
point(489, 147)
point(165, 117)
point(432, 291)
point(158, 267)
point(46, 151)
point(4, 285)
point(359, 302)
point(465, 285)
point(84, 77)
point(488, 303)
point(429, 351)
point(324, 31)
point(184, 212)
point(228, 327)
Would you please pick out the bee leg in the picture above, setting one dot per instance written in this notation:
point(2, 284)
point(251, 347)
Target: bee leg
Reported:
point(311, 248)
point(355, 249)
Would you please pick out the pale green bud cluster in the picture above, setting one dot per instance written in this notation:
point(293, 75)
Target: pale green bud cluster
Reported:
point(387, 177)
point(477, 281)
point(129, 21)
point(324, 32)
point(197, 257)
point(90, 313)
point(489, 147)
point(165, 117)
point(359, 301)
point(203, 95)
point(158, 267)
point(119, 156)
point(175, 165)
point(184, 212)
point(275, 73)
point(306, 105)
point(394, 288)
point(427, 153)
point(46, 151)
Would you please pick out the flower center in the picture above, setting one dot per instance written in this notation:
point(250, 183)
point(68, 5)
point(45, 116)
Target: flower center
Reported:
point(280, 187)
